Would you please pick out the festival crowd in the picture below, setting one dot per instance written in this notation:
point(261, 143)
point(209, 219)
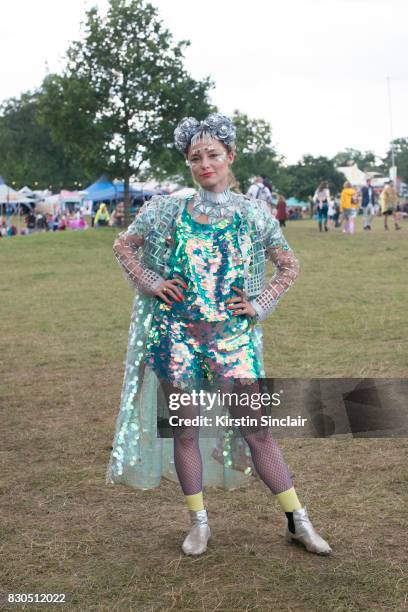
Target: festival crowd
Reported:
point(334, 212)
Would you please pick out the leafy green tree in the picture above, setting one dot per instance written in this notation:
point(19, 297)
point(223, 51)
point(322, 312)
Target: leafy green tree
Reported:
point(401, 158)
point(365, 160)
point(309, 172)
point(255, 154)
point(123, 91)
point(29, 155)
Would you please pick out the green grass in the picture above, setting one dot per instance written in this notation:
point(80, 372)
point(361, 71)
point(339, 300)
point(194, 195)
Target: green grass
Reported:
point(65, 311)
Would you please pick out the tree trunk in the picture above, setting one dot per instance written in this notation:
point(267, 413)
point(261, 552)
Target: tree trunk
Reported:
point(126, 199)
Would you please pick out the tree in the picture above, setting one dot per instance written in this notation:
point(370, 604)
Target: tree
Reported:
point(309, 172)
point(28, 152)
point(123, 91)
point(255, 154)
point(401, 157)
point(365, 160)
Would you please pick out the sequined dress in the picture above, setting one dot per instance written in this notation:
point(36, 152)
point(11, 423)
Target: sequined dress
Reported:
point(200, 336)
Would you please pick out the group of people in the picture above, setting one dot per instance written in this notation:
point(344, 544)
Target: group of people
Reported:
point(61, 220)
point(101, 217)
point(44, 222)
point(350, 201)
point(53, 222)
point(7, 229)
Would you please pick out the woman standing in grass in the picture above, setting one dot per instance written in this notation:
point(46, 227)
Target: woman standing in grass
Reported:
point(198, 265)
point(321, 198)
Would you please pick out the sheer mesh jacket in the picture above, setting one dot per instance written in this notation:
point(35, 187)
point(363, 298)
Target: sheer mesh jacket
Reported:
point(129, 252)
point(127, 249)
point(287, 270)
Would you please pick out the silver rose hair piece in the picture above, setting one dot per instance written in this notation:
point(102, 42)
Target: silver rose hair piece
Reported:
point(215, 125)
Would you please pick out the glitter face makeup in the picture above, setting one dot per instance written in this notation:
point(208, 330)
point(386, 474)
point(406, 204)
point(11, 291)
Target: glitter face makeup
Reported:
point(209, 162)
point(196, 157)
point(204, 144)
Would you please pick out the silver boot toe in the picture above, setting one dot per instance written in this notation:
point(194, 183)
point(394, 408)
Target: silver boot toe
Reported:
point(305, 533)
point(196, 541)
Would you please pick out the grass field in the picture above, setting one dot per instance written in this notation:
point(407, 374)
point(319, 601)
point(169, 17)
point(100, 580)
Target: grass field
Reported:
point(65, 311)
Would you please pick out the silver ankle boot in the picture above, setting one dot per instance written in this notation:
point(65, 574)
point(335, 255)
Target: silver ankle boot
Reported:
point(196, 541)
point(305, 533)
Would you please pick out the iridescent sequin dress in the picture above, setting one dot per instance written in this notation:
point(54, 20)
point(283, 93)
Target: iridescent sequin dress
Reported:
point(200, 336)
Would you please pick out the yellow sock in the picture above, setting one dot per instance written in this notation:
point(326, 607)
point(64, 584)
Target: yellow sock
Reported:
point(195, 502)
point(288, 500)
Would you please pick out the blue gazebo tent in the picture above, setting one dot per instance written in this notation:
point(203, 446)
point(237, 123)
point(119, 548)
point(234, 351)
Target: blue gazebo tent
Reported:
point(104, 190)
point(101, 190)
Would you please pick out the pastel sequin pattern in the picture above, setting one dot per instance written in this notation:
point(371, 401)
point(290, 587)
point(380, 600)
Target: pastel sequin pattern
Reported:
point(209, 260)
point(200, 335)
point(183, 352)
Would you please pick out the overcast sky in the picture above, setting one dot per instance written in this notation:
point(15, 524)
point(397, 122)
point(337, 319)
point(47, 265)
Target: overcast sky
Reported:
point(315, 69)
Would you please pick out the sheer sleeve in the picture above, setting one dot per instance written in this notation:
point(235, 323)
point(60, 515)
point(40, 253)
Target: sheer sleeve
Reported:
point(285, 262)
point(128, 251)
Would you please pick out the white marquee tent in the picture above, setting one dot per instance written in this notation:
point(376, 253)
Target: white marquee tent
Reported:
point(8, 195)
point(353, 174)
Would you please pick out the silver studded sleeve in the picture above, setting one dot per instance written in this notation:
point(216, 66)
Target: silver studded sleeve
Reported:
point(286, 268)
point(128, 250)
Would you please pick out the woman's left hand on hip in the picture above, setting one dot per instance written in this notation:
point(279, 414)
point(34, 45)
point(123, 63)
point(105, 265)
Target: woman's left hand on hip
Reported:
point(239, 304)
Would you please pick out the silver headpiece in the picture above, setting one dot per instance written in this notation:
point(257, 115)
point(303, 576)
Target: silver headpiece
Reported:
point(214, 126)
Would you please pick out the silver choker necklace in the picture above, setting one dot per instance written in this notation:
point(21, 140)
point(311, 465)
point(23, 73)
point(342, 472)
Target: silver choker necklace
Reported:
point(216, 206)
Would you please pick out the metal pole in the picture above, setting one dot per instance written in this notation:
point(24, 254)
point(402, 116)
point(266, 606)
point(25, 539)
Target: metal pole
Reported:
point(391, 130)
point(7, 210)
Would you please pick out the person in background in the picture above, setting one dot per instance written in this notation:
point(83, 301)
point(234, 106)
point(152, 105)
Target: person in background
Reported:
point(281, 211)
point(94, 208)
point(368, 204)
point(258, 191)
point(102, 217)
point(321, 199)
point(30, 222)
point(3, 227)
point(389, 201)
point(348, 206)
point(41, 222)
point(55, 222)
point(331, 212)
point(118, 216)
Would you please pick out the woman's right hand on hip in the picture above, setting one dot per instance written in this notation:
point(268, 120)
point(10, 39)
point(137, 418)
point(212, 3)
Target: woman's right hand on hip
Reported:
point(170, 290)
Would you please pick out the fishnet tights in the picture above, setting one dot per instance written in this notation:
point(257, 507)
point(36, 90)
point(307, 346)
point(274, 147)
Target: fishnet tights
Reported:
point(266, 456)
point(269, 462)
point(188, 463)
